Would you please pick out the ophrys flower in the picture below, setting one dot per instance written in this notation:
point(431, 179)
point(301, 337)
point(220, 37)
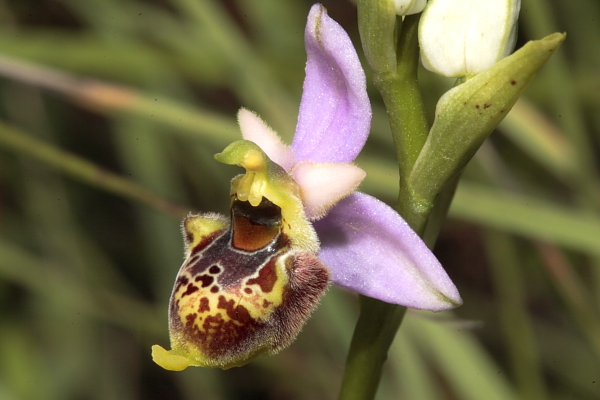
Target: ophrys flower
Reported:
point(249, 283)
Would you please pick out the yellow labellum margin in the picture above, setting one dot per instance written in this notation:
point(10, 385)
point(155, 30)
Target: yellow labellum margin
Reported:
point(247, 285)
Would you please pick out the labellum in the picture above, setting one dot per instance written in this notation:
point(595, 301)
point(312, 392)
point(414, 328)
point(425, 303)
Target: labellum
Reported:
point(247, 285)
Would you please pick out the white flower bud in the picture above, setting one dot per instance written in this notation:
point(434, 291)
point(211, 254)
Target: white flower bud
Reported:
point(408, 7)
point(465, 37)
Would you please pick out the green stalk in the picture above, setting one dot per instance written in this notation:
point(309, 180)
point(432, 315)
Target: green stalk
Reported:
point(402, 97)
point(406, 112)
point(391, 49)
point(375, 329)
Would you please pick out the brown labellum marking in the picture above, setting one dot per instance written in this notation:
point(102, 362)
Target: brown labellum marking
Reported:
point(254, 227)
point(212, 322)
point(222, 328)
point(237, 313)
point(191, 288)
point(266, 278)
point(182, 280)
point(189, 236)
point(235, 265)
point(204, 242)
point(205, 279)
point(204, 305)
point(220, 334)
point(248, 290)
point(190, 319)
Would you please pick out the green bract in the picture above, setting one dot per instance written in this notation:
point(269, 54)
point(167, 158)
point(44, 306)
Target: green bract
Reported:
point(468, 113)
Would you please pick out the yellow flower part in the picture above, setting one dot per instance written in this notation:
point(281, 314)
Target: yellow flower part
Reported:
point(264, 178)
point(248, 284)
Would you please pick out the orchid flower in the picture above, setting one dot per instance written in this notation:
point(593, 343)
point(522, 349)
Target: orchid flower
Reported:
point(249, 284)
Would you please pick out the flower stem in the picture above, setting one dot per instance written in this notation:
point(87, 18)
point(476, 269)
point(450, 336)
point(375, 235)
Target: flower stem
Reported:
point(402, 97)
point(373, 336)
point(392, 51)
point(391, 48)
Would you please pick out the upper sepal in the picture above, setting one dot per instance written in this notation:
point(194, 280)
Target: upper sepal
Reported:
point(335, 112)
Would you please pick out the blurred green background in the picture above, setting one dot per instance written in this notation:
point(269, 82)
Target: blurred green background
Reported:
point(110, 112)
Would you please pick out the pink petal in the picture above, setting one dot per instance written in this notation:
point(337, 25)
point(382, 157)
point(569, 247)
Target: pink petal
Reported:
point(335, 113)
point(370, 249)
point(323, 185)
point(254, 129)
